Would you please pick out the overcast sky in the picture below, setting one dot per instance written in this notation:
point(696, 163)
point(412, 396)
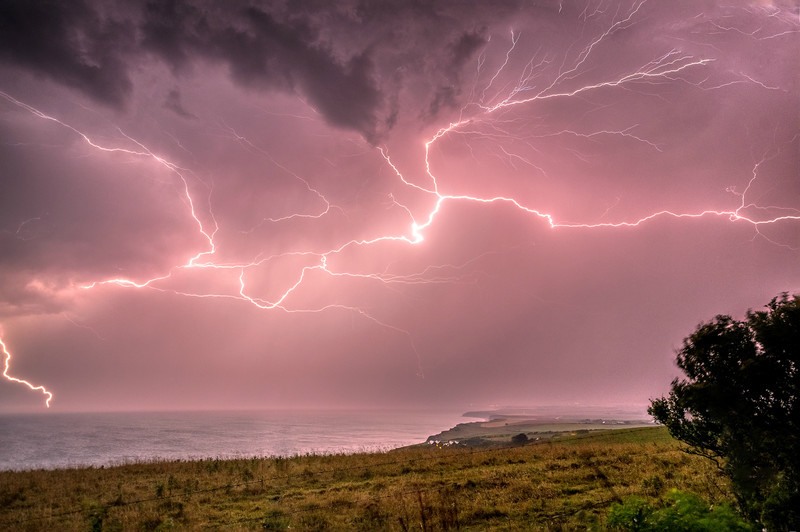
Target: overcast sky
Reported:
point(455, 204)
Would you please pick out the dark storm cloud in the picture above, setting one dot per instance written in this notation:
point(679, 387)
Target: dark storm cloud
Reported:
point(444, 97)
point(168, 31)
point(70, 43)
point(95, 48)
point(465, 47)
point(269, 51)
point(459, 53)
point(174, 103)
point(274, 54)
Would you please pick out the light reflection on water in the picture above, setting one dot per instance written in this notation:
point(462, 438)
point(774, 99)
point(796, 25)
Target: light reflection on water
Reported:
point(57, 440)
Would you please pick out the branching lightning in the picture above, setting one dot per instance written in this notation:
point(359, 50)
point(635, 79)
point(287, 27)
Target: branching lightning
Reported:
point(485, 111)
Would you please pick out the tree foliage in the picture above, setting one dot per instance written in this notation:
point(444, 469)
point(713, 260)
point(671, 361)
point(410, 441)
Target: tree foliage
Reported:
point(738, 405)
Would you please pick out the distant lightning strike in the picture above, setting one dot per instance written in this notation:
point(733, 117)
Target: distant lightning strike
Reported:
point(7, 361)
point(668, 68)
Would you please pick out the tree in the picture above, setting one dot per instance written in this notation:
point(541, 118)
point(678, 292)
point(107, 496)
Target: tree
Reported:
point(738, 406)
point(520, 439)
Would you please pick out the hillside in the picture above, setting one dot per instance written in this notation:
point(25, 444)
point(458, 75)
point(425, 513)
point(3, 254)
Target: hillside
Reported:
point(564, 482)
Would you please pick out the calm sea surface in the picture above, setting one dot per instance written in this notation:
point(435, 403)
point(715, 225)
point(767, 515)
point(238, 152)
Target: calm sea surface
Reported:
point(32, 441)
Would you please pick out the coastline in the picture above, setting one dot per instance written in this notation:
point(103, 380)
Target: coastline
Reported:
point(59, 440)
point(505, 426)
point(75, 440)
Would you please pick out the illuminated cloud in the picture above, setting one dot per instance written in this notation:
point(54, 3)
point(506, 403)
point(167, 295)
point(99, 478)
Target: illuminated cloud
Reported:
point(239, 204)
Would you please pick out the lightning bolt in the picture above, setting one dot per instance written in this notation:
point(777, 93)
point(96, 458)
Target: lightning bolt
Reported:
point(6, 367)
point(483, 117)
point(666, 67)
point(203, 259)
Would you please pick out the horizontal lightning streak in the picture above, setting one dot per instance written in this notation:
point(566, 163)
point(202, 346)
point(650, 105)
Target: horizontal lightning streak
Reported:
point(195, 263)
point(667, 67)
point(672, 66)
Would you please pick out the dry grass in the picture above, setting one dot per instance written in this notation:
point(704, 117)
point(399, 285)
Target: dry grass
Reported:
point(565, 483)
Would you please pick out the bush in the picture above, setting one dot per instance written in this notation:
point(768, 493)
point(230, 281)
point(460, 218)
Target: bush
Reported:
point(686, 512)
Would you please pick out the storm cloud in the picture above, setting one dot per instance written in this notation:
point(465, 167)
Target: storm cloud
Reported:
point(248, 204)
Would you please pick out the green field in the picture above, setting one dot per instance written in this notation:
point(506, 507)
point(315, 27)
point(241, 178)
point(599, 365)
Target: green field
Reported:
point(502, 430)
point(562, 483)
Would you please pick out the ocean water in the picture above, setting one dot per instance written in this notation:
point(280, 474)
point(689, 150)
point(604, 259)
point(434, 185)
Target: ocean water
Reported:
point(59, 440)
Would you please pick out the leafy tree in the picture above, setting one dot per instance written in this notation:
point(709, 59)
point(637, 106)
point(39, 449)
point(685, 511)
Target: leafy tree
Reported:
point(738, 406)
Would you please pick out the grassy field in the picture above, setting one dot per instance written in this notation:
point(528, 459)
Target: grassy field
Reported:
point(501, 431)
point(562, 483)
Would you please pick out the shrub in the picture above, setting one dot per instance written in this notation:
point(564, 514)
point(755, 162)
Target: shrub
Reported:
point(686, 512)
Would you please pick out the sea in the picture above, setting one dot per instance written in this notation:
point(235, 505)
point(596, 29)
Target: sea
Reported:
point(68, 440)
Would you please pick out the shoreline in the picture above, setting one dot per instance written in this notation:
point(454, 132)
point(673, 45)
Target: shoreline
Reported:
point(501, 428)
point(164, 443)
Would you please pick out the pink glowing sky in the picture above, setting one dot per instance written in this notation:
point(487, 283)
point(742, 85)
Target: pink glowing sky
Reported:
point(262, 205)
